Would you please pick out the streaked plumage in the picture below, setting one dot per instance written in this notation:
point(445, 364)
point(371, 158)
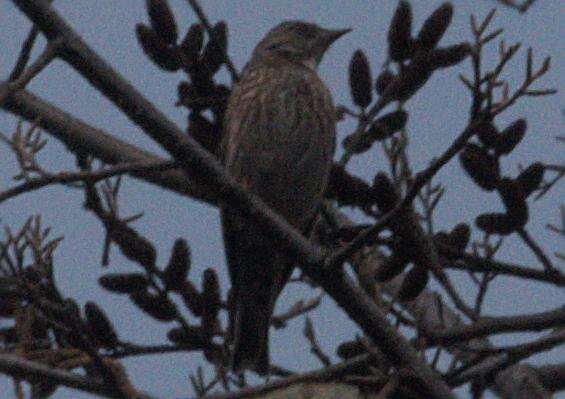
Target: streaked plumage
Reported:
point(279, 143)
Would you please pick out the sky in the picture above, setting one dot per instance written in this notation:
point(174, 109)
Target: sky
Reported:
point(436, 116)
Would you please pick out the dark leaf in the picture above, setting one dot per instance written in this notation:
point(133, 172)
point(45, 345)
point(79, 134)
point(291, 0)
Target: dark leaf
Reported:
point(392, 266)
point(387, 125)
point(205, 132)
point(211, 288)
point(360, 79)
point(460, 236)
point(350, 349)
point(162, 20)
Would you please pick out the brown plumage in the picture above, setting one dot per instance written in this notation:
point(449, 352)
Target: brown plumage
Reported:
point(279, 144)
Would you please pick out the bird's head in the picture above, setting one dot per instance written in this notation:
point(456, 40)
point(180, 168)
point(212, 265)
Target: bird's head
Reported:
point(297, 41)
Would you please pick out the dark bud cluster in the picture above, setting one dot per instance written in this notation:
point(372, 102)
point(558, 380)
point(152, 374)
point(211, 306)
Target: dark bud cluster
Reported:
point(199, 60)
point(481, 161)
point(379, 130)
point(418, 57)
point(347, 189)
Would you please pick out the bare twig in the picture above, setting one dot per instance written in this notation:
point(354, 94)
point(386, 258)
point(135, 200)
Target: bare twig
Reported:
point(37, 372)
point(70, 177)
point(32, 71)
point(498, 325)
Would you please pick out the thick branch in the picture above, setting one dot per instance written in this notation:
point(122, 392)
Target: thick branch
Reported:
point(80, 137)
point(37, 373)
point(485, 327)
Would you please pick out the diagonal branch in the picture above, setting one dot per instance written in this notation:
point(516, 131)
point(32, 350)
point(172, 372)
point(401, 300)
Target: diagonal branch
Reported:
point(35, 372)
point(80, 137)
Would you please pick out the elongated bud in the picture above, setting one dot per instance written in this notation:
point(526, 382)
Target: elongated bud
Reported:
point(435, 26)
point(177, 270)
point(531, 178)
point(360, 79)
point(450, 56)
point(385, 193)
point(158, 307)
point(162, 20)
point(100, 326)
point(164, 56)
point(460, 236)
point(487, 133)
point(400, 43)
point(511, 136)
point(383, 80)
point(412, 78)
point(194, 337)
point(496, 223)
point(214, 53)
point(124, 283)
point(191, 45)
point(481, 166)
point(514, 200)
point(413, 284)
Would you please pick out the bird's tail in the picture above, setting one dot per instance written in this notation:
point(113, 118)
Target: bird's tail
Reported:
point(258, 272)
point(252, 319)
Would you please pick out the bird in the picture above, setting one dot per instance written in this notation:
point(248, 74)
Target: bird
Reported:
point(278, 143)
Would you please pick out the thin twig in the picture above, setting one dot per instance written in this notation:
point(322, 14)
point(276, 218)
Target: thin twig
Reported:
point(93, 177)
point(32, 71)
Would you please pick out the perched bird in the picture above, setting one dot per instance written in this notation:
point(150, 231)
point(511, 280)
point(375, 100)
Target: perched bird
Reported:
point(279, 143)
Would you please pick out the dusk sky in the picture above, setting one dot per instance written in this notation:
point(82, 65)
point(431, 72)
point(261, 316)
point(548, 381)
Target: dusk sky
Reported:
point(437, 114)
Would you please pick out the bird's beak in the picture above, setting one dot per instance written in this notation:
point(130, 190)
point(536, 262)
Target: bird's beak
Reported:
point(333, 35)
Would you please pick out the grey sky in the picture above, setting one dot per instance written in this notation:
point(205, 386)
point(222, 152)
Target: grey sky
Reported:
point(437, 115)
